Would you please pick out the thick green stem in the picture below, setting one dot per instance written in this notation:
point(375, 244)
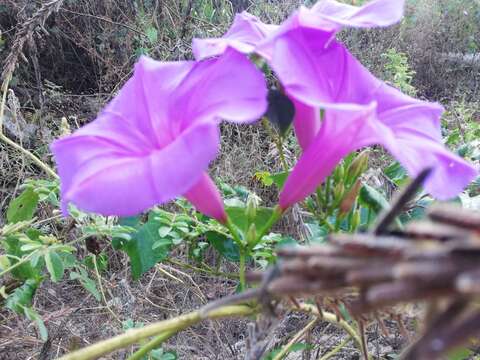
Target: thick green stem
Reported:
point(151, 345)
point(175, 325)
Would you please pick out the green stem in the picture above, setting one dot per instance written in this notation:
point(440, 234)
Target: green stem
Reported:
point(332, 318)
point(234, 232)
point(207, 271)
point(151, 345)
point(175, 325)
point(286, 349)
point(242, 270)
point(20, 262)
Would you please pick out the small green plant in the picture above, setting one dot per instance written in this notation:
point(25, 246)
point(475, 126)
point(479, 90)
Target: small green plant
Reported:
point(398, 72)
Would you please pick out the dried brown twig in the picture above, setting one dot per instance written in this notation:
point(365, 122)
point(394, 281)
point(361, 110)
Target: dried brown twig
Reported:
point(436, 259)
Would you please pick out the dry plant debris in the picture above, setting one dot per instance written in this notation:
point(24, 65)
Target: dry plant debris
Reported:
point(436, 261)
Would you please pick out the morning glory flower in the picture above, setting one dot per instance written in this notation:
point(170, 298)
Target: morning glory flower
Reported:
point(360, 110)
point(155, 139)
point(248, 34)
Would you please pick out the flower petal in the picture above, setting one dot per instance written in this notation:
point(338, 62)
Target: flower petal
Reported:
point(228, 87)
point(244, 34)
point(106, 178)
point(306, 122)
point(206, 198)
point(341, 133)
point(372, 14)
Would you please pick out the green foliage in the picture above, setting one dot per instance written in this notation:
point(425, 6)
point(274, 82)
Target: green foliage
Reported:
point(23, 207)
point(398, 71)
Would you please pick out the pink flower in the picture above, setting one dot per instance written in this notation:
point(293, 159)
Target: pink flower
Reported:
point(156, 138)
point(360, 110)
point(317, 72)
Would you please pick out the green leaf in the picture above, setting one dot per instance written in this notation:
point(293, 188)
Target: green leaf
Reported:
point(224, 245)
point(396, 173)
point(372, 198)
point(32, 315)
point(239, 218)
point(54, 266)
point(23, 207)
point(152, 35)
point(295, 347)
point(140, 248)
point(280, 111)
point(460, 354)
point(89, 284)
point(280, 178)
point(318, 234)
point(25, 271)
point(22, 296)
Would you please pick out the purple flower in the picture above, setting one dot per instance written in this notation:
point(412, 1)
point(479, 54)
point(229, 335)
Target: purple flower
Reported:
point(360, 110)
point(156, 138)
point(248, 34)
point(244, 34)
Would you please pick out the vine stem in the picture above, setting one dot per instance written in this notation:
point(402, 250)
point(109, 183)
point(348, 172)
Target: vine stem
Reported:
point(151, 345)
point(294, 340)
point(332, 318)
point(174, 325)
point(242, 249)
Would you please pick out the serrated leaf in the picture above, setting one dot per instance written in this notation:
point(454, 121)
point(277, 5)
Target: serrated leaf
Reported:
point(224, 245)
point(280, 111)
point(54, 266)
point(23, 207)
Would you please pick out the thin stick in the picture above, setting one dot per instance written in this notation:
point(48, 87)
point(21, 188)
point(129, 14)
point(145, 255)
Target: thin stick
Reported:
point(388, 217)
point(336, 349)
point(286, 349)
point(151, 345)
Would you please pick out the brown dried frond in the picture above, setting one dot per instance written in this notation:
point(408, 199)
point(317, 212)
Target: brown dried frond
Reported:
point(25, 34)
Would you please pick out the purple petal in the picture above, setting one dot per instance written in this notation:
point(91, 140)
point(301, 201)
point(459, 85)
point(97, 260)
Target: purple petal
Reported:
point(107, 178)
point(155, 140)
point(306, 123)
point(229, 87)
point(325, 75)
point(244, 34)
point(372, 14)
point(341, 133)
point(206, 198)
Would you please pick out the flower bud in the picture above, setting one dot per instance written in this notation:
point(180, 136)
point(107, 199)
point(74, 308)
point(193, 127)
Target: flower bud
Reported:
point(350, 197)
point(252, 205)
point(358, 165)
point(339, 173)
point(355, 222)
point(251, 234)
point(338, 192)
